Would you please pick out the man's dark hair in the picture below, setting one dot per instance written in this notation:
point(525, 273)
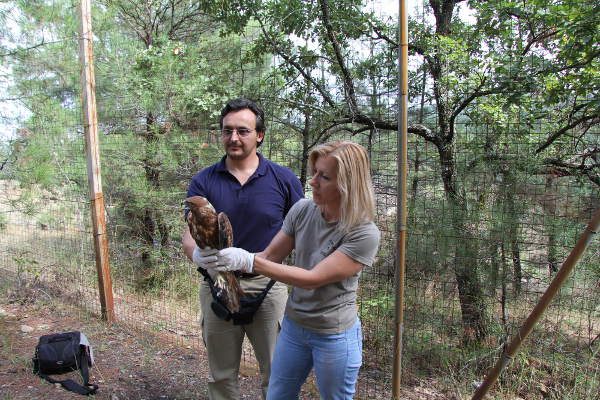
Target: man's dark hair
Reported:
point(244, 104)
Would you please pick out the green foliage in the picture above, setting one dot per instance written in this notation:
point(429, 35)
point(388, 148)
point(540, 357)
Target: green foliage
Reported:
point(28, 271)
point(381, 304)
point(509, 103)
point(172, 81)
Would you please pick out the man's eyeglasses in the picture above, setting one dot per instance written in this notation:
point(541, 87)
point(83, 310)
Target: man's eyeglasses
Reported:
point(242, 132)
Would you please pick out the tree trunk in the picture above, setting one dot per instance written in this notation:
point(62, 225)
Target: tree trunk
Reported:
point(414, 188)
point(549, 203)
point(466, 255)
point(305, 149)
point(469, 288)
point(152, 219)
point(503, 294)
point(466, 267)
point(516, 260)
point(513, 229)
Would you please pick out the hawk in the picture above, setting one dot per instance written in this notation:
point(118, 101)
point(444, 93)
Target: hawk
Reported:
point(210, 229)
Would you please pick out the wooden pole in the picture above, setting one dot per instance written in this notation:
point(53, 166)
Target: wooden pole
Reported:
point(90, 125)
point(540, 307)
point(402, 164)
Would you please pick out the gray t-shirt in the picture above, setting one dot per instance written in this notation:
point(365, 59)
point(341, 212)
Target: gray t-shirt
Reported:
point(329, 309)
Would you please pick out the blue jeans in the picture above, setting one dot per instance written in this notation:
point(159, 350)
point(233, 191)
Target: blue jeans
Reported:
point(335, 358)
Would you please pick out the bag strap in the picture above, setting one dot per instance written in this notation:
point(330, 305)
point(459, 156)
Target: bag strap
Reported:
point(69, 384)
point(73, 386)
point(265, 291)
point(85, 370)
point(213, 290)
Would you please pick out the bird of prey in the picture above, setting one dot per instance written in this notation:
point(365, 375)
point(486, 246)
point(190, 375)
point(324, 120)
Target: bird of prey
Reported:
point(210, 229)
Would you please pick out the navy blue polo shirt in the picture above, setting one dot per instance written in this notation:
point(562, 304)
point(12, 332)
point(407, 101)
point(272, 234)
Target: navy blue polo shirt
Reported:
point(256, 209)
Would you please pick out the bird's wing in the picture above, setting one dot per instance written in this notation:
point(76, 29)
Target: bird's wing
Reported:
point(225, 231)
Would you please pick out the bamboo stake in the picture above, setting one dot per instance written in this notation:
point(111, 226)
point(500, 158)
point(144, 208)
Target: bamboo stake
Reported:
point(90, 125)
point(540, 307)
point(402, 163)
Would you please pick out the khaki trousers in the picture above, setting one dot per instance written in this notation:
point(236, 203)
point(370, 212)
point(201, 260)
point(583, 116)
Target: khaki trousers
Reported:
point(223, 340)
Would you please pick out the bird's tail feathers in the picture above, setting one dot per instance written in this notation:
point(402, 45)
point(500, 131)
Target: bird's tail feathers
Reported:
point(230, 290)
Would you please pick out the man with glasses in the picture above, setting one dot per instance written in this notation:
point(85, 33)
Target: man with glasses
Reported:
point(256, 194)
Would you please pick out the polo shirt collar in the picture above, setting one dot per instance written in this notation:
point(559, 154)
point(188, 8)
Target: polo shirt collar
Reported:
point(260, 170)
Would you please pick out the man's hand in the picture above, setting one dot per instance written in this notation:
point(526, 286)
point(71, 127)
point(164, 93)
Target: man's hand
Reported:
point(234, 259)
point(206, 258)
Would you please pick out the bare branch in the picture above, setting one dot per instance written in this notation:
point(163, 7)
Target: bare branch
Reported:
point(381, 35)
point(297, 66)
point(346, 78)
point(562, 168)
point(595, 118)
point(591, 56)
point(535, 39)
point(22, 50)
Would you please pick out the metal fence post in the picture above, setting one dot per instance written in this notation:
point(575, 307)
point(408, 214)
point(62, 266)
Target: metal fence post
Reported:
point(402, 163)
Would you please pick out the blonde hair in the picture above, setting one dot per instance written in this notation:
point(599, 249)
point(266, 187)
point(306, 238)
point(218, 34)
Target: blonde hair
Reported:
point(354, 180)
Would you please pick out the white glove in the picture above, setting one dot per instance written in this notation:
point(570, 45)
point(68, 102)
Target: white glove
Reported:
point(206, 258)
point(234, 259)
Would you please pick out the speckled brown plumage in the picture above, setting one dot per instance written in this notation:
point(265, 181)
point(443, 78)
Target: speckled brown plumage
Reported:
point(211, 230)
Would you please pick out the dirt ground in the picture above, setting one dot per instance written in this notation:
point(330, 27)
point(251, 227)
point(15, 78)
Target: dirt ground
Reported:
point(130, 364)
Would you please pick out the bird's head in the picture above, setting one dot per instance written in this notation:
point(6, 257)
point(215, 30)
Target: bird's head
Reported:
point(197, 202)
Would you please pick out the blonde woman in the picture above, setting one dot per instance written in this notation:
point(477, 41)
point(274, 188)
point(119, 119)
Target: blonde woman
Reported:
point(335, 238)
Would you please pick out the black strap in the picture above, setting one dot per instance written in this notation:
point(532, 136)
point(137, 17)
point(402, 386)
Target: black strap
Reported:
point(265, 291)
point(213, 290)
point(72, 386)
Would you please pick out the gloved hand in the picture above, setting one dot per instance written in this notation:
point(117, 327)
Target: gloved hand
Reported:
point(206, 258)
point(234, 259)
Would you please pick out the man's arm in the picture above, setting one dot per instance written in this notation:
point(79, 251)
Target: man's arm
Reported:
point(296, 192)
point(280, 247)
point(188, 243)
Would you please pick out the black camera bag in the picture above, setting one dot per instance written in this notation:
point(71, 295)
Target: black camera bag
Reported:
point(59, 353)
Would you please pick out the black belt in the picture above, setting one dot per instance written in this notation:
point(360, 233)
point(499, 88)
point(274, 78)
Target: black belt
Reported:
point(244, 275)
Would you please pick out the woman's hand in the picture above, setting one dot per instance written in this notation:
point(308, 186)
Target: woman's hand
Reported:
point(234, 259)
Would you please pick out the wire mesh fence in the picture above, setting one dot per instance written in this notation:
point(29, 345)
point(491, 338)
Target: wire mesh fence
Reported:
point(482, 247)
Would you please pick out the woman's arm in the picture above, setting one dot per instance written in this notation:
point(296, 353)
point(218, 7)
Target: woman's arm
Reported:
point(334, 268)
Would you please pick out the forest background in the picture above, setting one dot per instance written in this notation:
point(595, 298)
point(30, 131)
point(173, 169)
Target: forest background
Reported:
point(504, 155)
